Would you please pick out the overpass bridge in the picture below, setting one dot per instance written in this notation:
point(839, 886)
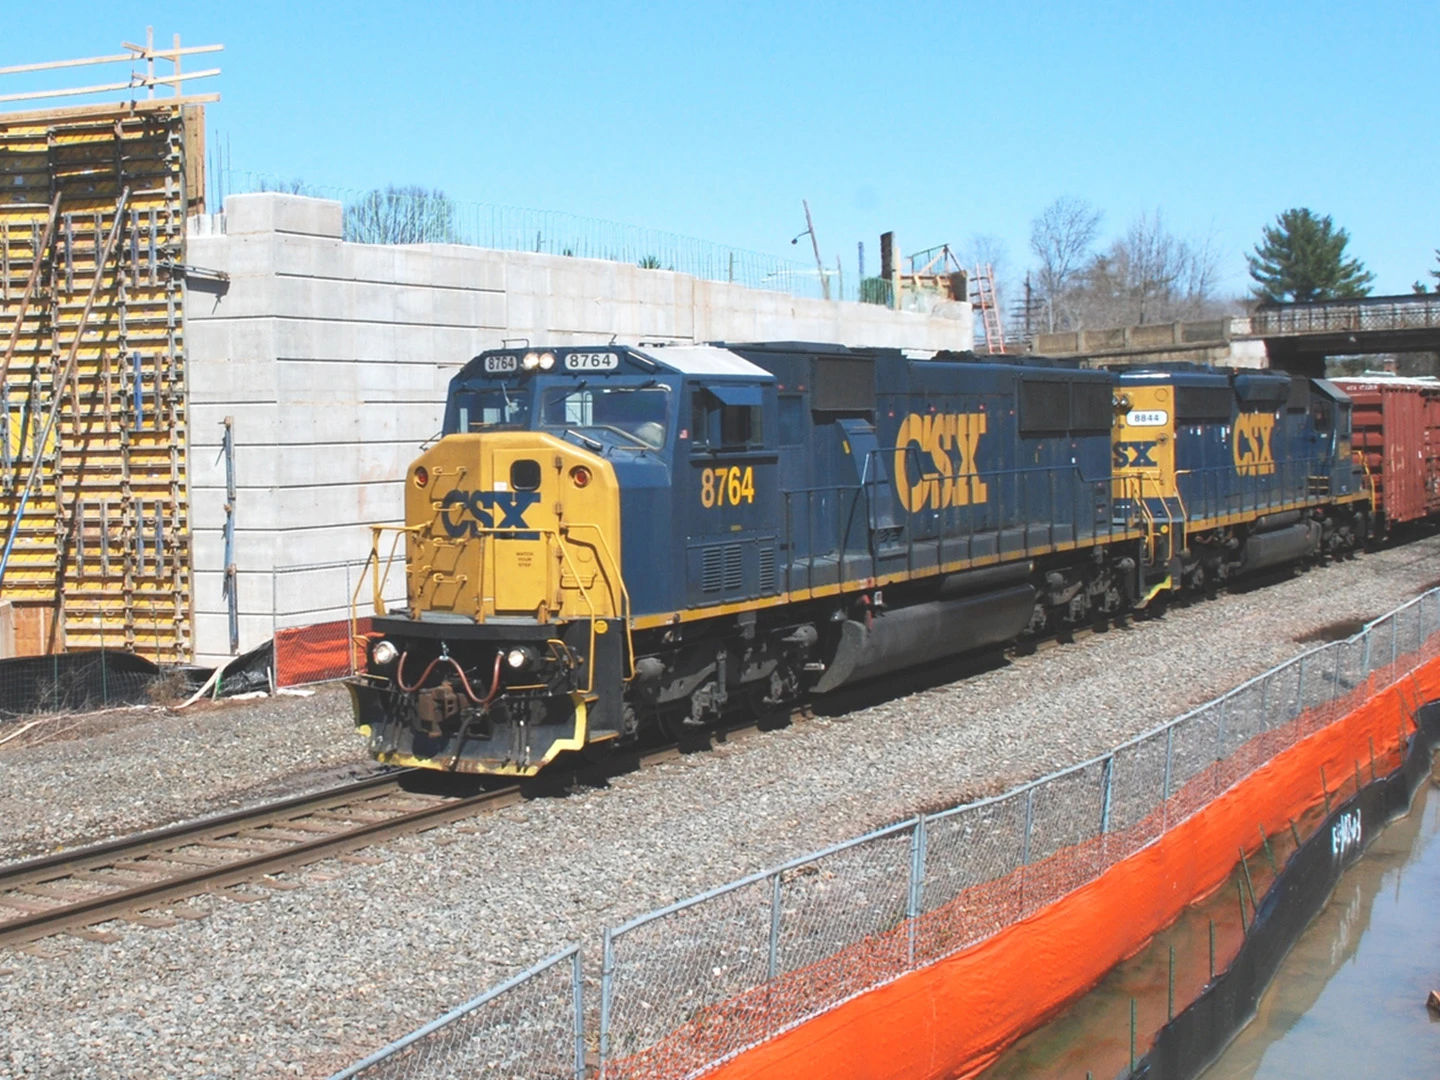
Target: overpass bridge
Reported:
point(1293, 337)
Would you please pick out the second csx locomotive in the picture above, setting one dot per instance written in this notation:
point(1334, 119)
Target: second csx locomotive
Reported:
point(608, 539)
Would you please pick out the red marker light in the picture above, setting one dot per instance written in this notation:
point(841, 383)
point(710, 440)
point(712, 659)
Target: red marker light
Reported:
point(580, 475)
point(422, 476)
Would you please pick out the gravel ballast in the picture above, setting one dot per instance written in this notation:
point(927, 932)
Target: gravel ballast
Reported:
point(306, 980)
point(76, 780)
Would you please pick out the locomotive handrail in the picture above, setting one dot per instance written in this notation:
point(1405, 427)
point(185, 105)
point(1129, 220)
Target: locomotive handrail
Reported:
point(619, 579)
point(1255, 491)
point(1359, 458)
point(373, 560)
point(846, 505)
point(372, 567)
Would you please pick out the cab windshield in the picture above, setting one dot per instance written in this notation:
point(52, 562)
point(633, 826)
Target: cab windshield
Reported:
point(487, 408)
point(636, 416)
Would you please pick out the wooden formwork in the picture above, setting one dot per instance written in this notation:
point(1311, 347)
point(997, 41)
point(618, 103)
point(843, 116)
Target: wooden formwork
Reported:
point(101, 556)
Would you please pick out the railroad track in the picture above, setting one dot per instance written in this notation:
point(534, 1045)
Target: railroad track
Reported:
point(73, 891)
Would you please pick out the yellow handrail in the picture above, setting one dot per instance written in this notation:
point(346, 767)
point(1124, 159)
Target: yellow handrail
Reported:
point(619, 579)
point(1359, 458)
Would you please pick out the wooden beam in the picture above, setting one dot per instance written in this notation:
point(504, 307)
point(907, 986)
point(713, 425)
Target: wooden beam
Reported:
point(149, 82)
point(103, 109)
point(137, 52)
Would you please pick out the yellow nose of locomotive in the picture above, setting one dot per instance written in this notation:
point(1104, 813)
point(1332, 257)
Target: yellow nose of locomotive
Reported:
point(517, 614)
point(513, 525)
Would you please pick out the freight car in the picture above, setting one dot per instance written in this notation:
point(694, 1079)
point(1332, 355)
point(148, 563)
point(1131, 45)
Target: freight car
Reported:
point(1397, 433)
point(610, 539)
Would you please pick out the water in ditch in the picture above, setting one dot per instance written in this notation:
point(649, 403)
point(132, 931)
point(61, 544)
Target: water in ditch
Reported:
point(1349, 1000)
point(1097, 1035)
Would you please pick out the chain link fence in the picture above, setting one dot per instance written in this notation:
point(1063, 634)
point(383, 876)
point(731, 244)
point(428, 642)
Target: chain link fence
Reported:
point(529, 1028)
point(686, 986)
point(311, 618)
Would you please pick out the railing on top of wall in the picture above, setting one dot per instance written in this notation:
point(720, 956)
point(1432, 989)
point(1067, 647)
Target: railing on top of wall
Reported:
point(418, 217)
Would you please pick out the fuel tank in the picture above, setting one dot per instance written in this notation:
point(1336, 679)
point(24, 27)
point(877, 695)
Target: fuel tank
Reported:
point(916, 635)
point(1281, 545)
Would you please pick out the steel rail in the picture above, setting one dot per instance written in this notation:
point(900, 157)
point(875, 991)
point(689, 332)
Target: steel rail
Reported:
point(171, 836)
point(80, 913)
point(102, 908)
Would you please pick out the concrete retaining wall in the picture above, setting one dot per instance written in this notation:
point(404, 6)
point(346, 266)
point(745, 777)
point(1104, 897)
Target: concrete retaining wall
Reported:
point(333, 359)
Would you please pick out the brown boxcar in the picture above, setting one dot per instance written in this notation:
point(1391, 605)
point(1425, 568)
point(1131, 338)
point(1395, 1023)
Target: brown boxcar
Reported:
point(1397, 429)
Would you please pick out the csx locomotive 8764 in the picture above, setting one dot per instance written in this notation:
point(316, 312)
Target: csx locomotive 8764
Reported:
point(608, 539)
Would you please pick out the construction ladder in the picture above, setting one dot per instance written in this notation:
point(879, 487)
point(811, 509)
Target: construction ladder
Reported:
point(982, 298)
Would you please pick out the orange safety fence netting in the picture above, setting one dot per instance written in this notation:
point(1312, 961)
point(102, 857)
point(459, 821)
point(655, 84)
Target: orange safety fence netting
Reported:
point(1005, 955)
point(321, 651)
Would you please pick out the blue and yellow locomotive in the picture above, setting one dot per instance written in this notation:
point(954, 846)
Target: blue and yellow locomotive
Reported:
point(610, 539)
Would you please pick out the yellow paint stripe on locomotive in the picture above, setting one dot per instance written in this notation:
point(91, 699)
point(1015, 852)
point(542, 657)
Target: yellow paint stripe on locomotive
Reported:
point(647, 622)
point(1221, 520)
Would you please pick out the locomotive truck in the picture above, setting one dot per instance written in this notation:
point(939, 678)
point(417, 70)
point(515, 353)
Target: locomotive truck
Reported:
point(608, 540)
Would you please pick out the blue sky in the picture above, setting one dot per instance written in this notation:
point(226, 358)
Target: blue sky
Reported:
point(939, 120)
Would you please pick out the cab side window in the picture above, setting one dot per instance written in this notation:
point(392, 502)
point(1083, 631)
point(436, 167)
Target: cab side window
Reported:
point(719, 425)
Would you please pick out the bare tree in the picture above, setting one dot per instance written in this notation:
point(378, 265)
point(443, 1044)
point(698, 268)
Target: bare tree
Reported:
point(1061, 238)
point(408, 215)
point(1149, 275)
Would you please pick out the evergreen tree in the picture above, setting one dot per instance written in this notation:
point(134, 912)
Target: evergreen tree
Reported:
point(1302, 258)
point(1420, 287)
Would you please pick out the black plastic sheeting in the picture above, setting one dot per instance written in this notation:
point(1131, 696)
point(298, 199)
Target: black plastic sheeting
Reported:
point(1192, 1042)
point(85, 681)
point(248, 671)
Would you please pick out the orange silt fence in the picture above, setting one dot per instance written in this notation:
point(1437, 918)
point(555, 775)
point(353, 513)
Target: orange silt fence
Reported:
point(320, 651)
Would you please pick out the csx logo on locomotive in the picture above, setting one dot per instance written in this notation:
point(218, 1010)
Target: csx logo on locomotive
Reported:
point(948, 441)
point(1135, 455)
point(466, 513)
point(1253, 453)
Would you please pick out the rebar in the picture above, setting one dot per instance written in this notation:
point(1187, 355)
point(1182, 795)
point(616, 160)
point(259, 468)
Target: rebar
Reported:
point(1170, 994)
point(1269, 854)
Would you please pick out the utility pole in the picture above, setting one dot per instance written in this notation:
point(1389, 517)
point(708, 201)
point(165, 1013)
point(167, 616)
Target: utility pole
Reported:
point(1028, 302)
point(815, 246)
point(890, 266)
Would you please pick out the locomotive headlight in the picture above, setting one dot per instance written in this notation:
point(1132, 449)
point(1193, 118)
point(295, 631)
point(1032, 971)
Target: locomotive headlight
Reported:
point(530, 361)
point(519, 658)
point(547, 361)
point(384, 653)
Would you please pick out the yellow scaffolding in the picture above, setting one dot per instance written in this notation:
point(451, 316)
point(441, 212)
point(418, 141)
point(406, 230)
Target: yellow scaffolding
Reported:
point(92, 366)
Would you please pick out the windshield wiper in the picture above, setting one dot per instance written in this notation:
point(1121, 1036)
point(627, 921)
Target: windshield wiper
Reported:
point(625, 435)
point(586, 441)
